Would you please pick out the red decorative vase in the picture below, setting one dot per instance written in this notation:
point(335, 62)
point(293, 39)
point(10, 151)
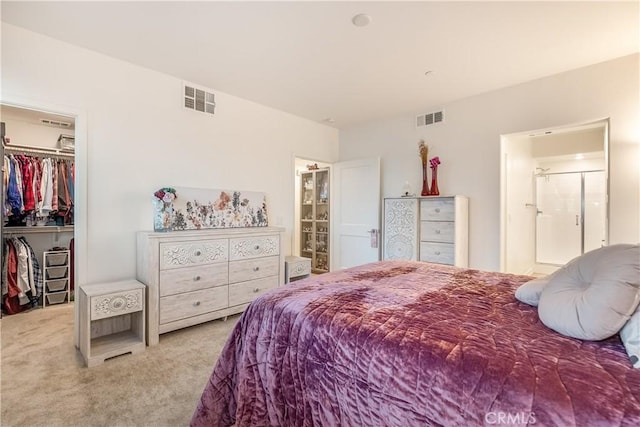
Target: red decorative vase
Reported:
point(434, 182)
point(425, 186)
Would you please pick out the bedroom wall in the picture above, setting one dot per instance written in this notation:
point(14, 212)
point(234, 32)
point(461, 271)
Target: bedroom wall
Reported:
point(468, 144)
point(140, 139)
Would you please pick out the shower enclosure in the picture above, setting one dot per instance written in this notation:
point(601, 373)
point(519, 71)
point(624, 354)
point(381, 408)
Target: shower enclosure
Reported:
point(571, 214)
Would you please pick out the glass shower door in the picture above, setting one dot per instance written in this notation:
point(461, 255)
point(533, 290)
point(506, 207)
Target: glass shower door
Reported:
point(595, 210)
point(558, 227)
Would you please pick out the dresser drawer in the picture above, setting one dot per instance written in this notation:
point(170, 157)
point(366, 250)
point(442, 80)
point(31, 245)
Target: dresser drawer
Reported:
point(437, 231)
point(249, 269)
point(440, 253)
point(182, 306)
point(253, 247)
point(117, 303)
point(183, 254)
point(437, 210)
point(190, 279)
point(245, 292)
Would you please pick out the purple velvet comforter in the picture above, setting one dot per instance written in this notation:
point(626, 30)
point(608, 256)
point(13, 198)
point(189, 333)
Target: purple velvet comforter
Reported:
point(399, 343)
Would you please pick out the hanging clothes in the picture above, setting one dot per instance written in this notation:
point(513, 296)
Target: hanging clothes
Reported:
point(10, 298)
point(40, 186)
point(37, 275)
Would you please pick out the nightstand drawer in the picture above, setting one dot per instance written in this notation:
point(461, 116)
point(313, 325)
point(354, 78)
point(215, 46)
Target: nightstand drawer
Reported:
point(241, 293)
point(182, 306)
point(250, 269)
point(191, 279)
point(437, 210)
point(440, 253)
point(297, 266)
point(437, 231)
point(253, 247)
point(115, 304)
point(182, 254)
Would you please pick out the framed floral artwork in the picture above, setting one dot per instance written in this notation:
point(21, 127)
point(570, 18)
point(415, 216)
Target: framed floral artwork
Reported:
point(197, 208)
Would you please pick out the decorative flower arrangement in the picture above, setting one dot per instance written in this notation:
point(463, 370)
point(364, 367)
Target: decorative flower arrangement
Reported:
point(166, 194)
point(163, 202)
point(434, 162)
point(423, 149)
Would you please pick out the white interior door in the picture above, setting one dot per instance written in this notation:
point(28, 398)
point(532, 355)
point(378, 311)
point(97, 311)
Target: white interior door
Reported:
point(356, 212)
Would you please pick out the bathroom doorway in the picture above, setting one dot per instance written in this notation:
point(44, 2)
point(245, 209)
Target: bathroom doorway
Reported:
point(554, 196)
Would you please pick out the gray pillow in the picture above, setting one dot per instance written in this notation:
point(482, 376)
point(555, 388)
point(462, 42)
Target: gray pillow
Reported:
point(594, 295)
point(630, 336)
point(529, 292)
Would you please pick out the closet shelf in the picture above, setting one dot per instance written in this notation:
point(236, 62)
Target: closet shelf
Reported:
point(36, 229)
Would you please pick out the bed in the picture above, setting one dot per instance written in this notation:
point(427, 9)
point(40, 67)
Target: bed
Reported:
point(401, 343)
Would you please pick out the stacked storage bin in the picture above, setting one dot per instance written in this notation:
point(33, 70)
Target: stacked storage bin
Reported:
point(56, 277)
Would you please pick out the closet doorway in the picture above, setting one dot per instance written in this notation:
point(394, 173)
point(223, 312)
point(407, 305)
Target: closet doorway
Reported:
point(36, 131)
point(554, 196)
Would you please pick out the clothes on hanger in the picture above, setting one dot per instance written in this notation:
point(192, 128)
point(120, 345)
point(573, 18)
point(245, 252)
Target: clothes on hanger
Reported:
point(21, 276)
point(40, 186)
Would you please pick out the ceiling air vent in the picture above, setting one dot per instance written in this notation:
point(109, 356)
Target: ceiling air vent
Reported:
point(429, 118)
point(56, 123)
point(199, 99)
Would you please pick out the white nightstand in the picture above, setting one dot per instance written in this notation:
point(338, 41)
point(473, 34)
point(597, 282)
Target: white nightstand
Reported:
point(296, 268)
point(111, 320)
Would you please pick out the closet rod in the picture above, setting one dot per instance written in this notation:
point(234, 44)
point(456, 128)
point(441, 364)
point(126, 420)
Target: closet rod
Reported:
point(52, 152)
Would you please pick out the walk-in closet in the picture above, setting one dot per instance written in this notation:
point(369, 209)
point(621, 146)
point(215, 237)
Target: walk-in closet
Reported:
point(38, 201)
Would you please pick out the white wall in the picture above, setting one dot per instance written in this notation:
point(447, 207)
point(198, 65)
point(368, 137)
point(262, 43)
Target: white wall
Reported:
point(140, 139)
point(468, 144)
point(519, 229)
point(21, 132)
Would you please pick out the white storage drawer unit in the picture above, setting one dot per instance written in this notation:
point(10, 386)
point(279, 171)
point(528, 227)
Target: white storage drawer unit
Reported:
point(432, 229)
point(200, 275)
point(56, 276)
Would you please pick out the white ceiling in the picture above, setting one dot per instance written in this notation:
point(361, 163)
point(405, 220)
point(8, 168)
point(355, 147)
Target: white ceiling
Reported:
point(307, 58)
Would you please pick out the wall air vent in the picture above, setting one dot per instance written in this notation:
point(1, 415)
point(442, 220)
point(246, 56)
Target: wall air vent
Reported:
point(198, 99)
point(56, 123)
point(429, 118)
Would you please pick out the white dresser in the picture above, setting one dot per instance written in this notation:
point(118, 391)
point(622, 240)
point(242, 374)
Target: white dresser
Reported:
point(433, 229)
point(201, 275)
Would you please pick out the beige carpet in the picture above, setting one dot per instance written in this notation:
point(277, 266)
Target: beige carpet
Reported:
point(45, 382)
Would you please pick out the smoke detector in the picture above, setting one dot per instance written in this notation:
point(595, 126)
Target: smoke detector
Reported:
point(361, 20)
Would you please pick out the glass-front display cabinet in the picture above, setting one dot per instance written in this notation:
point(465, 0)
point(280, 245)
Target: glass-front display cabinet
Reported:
point(314, 218)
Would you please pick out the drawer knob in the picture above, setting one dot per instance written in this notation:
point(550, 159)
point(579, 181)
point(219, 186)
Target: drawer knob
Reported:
point(437, 210)
point(256, 290)
point(437, 252)
point(256, 247)
point(198, 253)
point(256, 268)
point(437, 231)
point(195, 279)
point(197, 303)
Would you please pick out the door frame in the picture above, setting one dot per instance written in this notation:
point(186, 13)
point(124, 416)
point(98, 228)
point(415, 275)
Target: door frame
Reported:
point(80, 234)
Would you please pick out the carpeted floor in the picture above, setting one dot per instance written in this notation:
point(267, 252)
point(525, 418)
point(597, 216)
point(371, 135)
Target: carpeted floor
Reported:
point(45, 382)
